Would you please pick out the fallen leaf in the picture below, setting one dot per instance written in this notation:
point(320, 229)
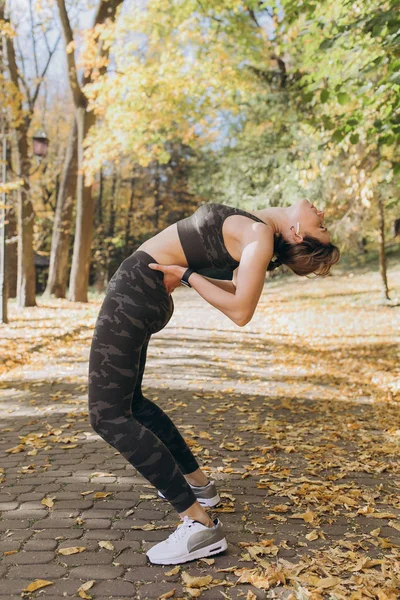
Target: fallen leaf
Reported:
point(71, 550)
point(37, 584)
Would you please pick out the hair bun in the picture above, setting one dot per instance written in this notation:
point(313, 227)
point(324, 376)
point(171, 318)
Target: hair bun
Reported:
point(274, 264)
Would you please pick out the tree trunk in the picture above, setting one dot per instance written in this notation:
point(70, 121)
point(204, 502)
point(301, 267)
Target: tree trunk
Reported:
point(111, 222)
point(26, 267)
point(100, 199)
point(12, 248)
point(58, 272)
point(79, 278)
point(382, 253)
point(157, 197)
point(129, 215)
point(100, 278)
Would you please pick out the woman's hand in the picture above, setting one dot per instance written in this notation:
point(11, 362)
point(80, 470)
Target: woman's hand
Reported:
point(172, 275)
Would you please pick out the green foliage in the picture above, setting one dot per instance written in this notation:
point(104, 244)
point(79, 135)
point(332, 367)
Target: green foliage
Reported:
point(351, 53)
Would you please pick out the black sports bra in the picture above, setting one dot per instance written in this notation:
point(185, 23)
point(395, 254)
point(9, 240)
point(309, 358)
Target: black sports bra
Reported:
point(201, 237)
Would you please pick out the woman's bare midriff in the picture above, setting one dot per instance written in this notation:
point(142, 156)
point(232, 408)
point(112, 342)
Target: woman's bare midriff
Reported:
point(165, 247)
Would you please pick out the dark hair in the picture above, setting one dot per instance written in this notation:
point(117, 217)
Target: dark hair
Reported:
point(309, 256)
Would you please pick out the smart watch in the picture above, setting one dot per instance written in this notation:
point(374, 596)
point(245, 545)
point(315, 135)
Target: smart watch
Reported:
point(185, 277)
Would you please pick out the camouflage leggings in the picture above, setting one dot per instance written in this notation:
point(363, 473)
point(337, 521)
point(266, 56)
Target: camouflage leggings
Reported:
point(136, 305)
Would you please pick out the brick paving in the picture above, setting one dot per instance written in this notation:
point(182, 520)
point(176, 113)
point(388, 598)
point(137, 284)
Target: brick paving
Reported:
point(210, 376)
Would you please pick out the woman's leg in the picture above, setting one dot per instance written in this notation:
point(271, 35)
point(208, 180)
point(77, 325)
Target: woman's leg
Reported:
point(153, 417)
point(132, 309)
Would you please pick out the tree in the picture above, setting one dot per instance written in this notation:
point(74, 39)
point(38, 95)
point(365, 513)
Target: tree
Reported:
point(351, 78)
point(58, 271)
point(26, 92)
point(106, 14)
point(179, 76)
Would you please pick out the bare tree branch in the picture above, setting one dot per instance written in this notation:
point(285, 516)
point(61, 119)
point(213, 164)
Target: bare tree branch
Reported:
point(36, 92)
point(25, 85)
point(78, 96)
point(22, 59)
point(33, 39)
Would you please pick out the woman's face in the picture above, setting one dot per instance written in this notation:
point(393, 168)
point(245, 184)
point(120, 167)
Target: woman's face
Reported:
point(311, 220)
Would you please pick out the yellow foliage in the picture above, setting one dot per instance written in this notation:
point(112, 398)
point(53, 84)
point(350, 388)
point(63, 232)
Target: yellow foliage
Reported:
point(174, 78)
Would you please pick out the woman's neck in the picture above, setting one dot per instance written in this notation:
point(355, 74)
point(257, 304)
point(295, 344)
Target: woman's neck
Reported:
point(275, 216)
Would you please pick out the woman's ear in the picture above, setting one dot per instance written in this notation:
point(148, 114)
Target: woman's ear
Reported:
point(296, 237)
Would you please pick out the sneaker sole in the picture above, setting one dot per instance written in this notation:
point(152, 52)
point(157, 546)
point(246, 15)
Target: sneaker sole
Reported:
point(209, 502)
point(215, 548)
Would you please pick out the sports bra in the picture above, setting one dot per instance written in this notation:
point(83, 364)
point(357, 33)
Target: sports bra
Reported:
point(201, 237)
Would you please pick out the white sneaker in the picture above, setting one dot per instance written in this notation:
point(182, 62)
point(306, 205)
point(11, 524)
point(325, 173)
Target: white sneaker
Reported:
point(191, 540)
point(206, 495)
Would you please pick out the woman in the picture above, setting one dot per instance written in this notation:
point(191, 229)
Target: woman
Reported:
point(138, 303)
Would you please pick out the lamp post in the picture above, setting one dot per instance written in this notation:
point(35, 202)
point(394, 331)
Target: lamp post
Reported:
point(40, 144)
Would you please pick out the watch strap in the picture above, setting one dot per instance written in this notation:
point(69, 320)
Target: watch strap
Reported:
point(185, 277)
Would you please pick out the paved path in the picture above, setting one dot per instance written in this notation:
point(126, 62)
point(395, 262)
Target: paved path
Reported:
point(268, 433)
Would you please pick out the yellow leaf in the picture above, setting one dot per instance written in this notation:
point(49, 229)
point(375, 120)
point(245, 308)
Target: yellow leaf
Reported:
point(106, 544)
point(307, 516)
point(87, 585)
point(167, 595)
point(313, 535)
point(71, 550)
point(382, 515)
point(394, 524)
point(70, 47)
point(328, 582)
point(82, 590)
point(37, 584)
point(48, 502)
point(196, 582)
point(150, 527)
point(194, 593)
point(208, 561)
point(173, 571)
point(229, 446)
point(102, 494)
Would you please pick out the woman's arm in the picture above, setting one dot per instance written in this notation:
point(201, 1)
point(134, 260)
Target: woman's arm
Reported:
point(240, 305)
point(224, 284)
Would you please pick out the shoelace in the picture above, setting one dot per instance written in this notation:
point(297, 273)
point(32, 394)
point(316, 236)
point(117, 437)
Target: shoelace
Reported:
point(180, 530)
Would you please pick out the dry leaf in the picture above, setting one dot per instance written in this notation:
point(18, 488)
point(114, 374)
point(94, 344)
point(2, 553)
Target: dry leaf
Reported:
point(307, 516)
point(83, 588)
point(173, 571)
point(150, 527)
point(48, 502)
point(102, 494)
point(167, 595)
point(196, 582)
point(71, 550)
point(36, 585)
point(106, 544)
